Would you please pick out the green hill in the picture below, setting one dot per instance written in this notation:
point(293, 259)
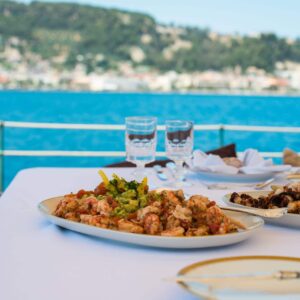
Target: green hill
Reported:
point(102, 38)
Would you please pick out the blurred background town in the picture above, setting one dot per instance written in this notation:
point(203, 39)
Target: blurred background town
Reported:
point(67, 46)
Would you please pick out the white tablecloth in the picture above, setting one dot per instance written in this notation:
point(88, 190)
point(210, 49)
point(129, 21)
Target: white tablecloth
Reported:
point(39, 260)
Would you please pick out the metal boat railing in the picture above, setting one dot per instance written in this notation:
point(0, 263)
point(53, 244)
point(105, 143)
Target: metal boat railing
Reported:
point(108, 127)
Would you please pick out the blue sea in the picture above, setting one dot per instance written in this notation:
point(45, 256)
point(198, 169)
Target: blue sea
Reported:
point(112, 108)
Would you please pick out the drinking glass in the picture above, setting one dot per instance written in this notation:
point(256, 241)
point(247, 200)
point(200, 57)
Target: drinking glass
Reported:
point(141, 142)
point(179, 140)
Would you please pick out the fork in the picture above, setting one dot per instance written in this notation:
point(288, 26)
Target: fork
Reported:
point(226, 186)
point(160, 173)
point(265, 213)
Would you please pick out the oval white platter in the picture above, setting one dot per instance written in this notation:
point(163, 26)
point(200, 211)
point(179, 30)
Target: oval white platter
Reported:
point(291, 220)
point(252, 224)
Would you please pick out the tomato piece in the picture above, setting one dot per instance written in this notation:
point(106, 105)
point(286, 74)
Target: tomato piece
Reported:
point(211, 203)
point(214, 228)
point(100, 189)
point(80, 193)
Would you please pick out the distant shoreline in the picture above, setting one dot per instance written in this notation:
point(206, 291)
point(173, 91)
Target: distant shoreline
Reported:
point(201, 92)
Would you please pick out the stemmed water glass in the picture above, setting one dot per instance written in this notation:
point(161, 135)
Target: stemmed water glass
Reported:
point(140, 139)
point(179, 141)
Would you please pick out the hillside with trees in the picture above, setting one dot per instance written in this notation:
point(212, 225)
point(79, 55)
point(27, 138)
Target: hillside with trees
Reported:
point(66, 34)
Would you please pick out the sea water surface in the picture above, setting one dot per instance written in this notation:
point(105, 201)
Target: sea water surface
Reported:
point(112, 108)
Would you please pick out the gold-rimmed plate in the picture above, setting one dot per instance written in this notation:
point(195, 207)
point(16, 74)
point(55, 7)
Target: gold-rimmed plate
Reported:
point(258, 282)
point(251, 223)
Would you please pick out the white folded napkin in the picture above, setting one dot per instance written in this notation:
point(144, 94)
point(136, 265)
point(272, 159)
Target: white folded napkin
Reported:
point(212, 163)
point(253, 163)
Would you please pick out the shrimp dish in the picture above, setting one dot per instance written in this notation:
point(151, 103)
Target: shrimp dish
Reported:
point(129, 206)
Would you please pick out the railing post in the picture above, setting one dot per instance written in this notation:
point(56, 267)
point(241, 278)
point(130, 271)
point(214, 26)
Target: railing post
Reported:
point(221, 135)
point(1, 156)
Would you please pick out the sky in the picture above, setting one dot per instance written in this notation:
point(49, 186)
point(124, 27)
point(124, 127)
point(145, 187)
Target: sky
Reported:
point(223, 16)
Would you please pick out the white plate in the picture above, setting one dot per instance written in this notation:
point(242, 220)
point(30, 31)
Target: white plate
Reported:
point(240, 177)
point(252, 223)
point(292, 220)
point(239, 288)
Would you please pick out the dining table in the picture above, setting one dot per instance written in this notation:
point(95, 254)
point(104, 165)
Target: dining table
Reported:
point(39, 260)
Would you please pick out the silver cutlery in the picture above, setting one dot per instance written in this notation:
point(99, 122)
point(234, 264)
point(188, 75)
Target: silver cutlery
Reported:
point(266, 213)
point(293, 176)
point(226, 186)
point(160, 173)
point(259, 186)
point(173, 169)
point(279, 275)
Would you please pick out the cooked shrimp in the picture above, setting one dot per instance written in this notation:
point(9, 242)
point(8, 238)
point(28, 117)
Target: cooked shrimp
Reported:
point(129, 226)
point(177, 231)
point(217, 221)
point(170, 198)
point(103, 208)
point(85, 218)
point(152, 224)
point(72, 216)
point(141, 213)
point(95, 220)
point(224, 226)
point(83, 208)
point(214, 215)
point(198, 203)
point(172, 222)
point(199, 231)
point(65, 206)
point(182, 213)
point(91, 200)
